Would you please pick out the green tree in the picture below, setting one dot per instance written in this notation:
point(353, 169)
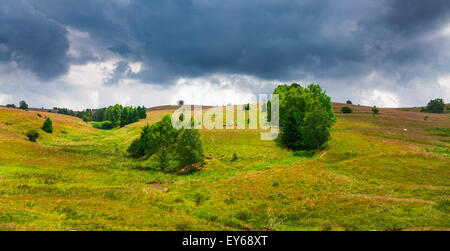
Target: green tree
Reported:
point(149, 144)
point(158, 139)
point(114, 114)
point(125, 117)
point(189, 148)
point(105, 125)
point(349, 102)
point(87, 117)
point(119, 115)
point(23, 105)
point(136, 149)
point(48, 126)
point(296, 103)
point(99, 115)
point(435, 106)
point(142, 111)
point(291, 134)
point(168, 144)
point(166, 137)
point(316, 131)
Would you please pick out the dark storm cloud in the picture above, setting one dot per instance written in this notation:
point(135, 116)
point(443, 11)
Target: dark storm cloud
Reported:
point(417, 15)
point(269, 39)
point(31, 40)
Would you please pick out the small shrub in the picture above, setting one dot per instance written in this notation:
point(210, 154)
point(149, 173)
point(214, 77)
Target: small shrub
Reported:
point(39, 115)
point(104, 125)
point(32, 135)
point(426, 118)
point(349, 102)
point(107, 125)
point(48, 126)
point(375, 111)
point(234, 157)
point(11, 106)
point(346, 109)
point(87, 117)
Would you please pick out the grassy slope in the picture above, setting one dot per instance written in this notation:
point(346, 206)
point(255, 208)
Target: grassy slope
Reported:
point(417, 109)
point(372, 175)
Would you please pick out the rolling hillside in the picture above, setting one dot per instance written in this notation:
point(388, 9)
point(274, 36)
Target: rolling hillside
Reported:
point(418, 109)
point(388, 172)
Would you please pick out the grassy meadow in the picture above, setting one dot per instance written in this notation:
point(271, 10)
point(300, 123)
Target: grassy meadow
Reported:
point(388, 172)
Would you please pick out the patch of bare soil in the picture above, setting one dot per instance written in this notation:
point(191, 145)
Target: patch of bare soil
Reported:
point(158, 186)
point(390, 198)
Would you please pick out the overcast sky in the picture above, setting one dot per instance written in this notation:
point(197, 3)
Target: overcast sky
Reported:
point(92, 53)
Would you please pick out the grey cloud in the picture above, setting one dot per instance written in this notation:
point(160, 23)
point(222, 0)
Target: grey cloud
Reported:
point(270, 40)
point(414, 16)
point(31, 40)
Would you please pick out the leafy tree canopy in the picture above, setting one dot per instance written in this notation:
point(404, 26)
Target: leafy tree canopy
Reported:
point(435, 106)
point(304, 111)
point(23, 105)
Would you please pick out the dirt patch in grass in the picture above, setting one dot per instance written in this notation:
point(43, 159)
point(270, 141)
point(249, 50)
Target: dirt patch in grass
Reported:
point(158, 186)
point(389, 198)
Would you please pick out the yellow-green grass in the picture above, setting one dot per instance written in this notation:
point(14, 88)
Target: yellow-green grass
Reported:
point(372, 175)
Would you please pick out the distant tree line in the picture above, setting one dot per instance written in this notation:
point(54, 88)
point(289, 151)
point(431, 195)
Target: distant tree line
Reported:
point(119, 115)
point(64, 111)
point(22, 105)
point(47, 127)
point(108, 117)
point(86, 115)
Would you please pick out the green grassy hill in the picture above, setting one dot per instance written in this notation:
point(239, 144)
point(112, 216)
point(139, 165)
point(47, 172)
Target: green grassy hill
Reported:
point(372, 175)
